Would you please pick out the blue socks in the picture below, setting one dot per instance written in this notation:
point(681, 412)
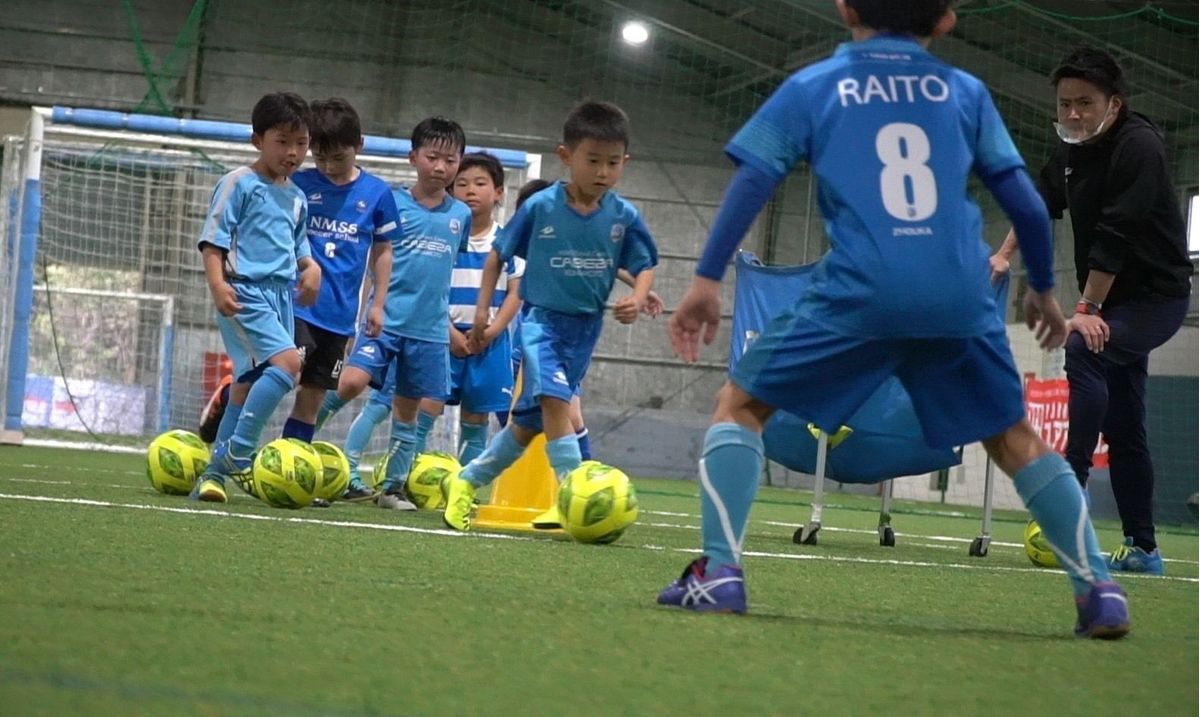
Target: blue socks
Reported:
point(729, 469)
point(228, 422)
point(1050, 490)
point(425, 423)
point(500, 454)
point(264, 397)
point(364, 424)
point(400, 455)
point(472, 440)
point(585, 446)
point(330, 405)
point(295, 428)
point(564, 455)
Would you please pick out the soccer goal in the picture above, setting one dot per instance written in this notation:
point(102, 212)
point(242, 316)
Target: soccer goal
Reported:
point(106, 324)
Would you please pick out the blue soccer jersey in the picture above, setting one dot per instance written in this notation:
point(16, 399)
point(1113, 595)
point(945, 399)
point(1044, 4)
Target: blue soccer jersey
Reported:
point(468, 275)
point(259, 224)
point(571, 260)
point(423, 252)
point(891, 133)
point(344, 220)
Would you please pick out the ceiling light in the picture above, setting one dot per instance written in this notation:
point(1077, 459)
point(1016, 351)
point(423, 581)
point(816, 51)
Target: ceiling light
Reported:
point(635, 33)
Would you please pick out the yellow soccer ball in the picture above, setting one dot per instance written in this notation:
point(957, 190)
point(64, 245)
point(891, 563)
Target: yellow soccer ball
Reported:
point(379, 472)
point(424, 484)
point(336, 474)
point(175, 460)
point(285, 474)
point(597, 503)
point(1038, 548)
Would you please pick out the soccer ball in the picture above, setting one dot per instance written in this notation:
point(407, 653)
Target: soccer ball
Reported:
point(597, 503)
point(379, 472)
point(285, 474)
point(336, 476)
point(175, 460)
point(1038, 548)
point(424, 484)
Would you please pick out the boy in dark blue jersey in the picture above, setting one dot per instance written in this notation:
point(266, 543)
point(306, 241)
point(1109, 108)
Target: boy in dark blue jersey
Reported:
point(891, 133)
point(434, 227)
point(351, 221)
point(573, 236)
point(254, 247)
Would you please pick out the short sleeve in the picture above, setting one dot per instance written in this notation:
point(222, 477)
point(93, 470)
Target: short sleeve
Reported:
point(638, 252)
point(386, 217)
point(513, 239)
point(775, 138)
point(224, 210)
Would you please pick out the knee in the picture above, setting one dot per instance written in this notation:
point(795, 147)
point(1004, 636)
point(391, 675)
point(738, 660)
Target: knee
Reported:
point(734, 404)
point(351, 383)
point(288, 362)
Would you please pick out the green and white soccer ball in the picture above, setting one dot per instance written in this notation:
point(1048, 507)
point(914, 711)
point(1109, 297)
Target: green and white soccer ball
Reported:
point(336, 474)
point(175, 460)
point(597, 503)
point(379, 472)
point(285, 474)
point(424, 484)
point(1038, 548)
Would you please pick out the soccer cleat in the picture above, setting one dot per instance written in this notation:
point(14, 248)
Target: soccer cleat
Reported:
point(550, 520)
point(214, 410)
point(394, 500)
point(320, 503)
point(1103, 612)
point(357, 492)
point(460, 499)
point(209, 489)
point(1130, 558)
point(723, 591)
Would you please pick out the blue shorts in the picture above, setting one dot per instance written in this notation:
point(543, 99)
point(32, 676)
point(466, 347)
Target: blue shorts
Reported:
point(556, 350)
point(963, 389)
point(517, 352)
point(420, 369)
point(262, 329)
point(483, 383)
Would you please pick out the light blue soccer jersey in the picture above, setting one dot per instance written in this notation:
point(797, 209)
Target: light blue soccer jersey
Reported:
point(344, 220)
point(259, 224)
point(423, 252)
point(468, 275)
point(891, 133)
point(571, 260)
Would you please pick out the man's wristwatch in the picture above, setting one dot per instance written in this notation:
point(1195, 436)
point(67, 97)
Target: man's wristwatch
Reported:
point(1087, 306)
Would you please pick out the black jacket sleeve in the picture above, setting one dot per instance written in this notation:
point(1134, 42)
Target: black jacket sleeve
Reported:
point(1138, 173)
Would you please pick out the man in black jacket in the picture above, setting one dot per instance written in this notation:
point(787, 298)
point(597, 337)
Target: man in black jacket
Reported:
point(1111, 173)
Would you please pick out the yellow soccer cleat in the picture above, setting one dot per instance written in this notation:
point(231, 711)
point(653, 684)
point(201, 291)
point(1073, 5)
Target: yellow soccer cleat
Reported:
point(210, 490)
point(460, 500)
point(550, 520)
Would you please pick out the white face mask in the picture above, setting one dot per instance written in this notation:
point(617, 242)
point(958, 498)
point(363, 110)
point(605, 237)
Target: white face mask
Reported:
point(1079, 137)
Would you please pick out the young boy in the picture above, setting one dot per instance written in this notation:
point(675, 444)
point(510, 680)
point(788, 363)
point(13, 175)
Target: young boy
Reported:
point(434, 226)
point(351, 221)
point(573, 237)
point(481, 381)
point(891, 132)
point(253, 241)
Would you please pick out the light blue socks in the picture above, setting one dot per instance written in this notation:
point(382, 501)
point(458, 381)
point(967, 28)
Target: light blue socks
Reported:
point(501, 453)
point(400, 455)
point(330, 405)
point(472, 440)
point(264, 398)
point(729, 469)
point(563, 454)
point(360, 432)
point(425, 423)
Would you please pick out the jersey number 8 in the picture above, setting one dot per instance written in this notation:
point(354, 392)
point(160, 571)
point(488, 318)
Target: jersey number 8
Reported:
point(906, 184)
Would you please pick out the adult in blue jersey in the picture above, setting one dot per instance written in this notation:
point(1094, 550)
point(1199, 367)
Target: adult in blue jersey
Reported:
point(573, 236)
point(351, 220)
point(434, 227)
point(891, 134)
point(253, 244)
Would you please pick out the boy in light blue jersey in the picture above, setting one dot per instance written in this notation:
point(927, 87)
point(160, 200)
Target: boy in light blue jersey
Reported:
point(574, 236)
point(891, 133)
point(481, 379)
point(253, 243)
point(434, 227)
point(352, 219)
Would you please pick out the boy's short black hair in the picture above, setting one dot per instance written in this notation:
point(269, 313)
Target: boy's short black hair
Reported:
point(907, 17)
point(531, 188)
point(1095, 66)
point(335, 125)
point(485, 161)
point(439, 130)
point(600, 121)
point(277, 109)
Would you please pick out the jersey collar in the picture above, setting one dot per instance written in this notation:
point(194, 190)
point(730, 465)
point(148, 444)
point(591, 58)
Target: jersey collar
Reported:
point(883, 42)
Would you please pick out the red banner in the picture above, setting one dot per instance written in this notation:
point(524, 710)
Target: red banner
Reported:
point(1046, 407)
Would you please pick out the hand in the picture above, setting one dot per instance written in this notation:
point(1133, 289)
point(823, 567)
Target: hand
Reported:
point(1093, 329)
point(1045, 319)
point(999, 265)
point(374, 321)
point(459, 344)
point(700, 310)
point(475, 339)
point(626, 310)
point(489, 335)
point(309, 285)
point(654, 305)
point(225, 299)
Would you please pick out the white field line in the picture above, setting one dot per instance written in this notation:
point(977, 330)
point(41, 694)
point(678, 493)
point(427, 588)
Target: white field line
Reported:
point(218, 513)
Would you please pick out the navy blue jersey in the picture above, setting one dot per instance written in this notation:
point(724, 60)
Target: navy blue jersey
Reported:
point(891, 134)
point(344, 220)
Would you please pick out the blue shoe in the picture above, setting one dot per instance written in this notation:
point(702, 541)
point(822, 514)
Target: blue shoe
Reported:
point(1131, 559)
point(1103, 612)
point(210, 489)
point(723, 591)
